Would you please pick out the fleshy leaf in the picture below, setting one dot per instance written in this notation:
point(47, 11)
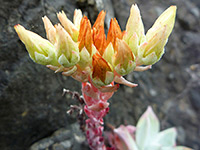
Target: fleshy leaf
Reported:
point(102, 72)
point(153, 147)
point(85, 35)
point(50, 30)
point(157, 42)
point(134, 25)
point(121, 80)
point(69, 71)
point(167, 18)
point(85, 58)
point(77, 18)
point(126, 141)
point(123, 59)
point(40, 50)
point(133, 44)
point(67, 50)
point(108, 53)
point(99, 37)
point(151, 51)
point(114, 32)
point(147, 128)
point(166, 138)
point(68, 25)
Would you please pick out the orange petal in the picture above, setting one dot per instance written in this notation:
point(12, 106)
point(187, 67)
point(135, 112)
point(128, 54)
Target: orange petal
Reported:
point(99, 37)
point(114, 32)
point(100, 67)
point(85, 35)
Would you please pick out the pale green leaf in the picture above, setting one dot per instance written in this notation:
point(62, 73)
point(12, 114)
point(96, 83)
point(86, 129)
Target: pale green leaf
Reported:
point(166, 138)
point(147, 128)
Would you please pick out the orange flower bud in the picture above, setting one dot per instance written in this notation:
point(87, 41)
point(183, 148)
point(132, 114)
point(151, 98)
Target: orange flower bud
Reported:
point(114, 32)
point(85, 35)
point(102, 72)
point(123, 59)
point(99, 37)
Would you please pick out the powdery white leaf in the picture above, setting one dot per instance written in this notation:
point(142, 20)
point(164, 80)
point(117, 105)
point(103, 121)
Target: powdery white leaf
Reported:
point(166, 138)
point(126, 138)
point(147, 128)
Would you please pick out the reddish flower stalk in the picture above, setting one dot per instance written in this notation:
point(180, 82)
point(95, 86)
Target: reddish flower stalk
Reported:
point(95, 128)
point(96, 108)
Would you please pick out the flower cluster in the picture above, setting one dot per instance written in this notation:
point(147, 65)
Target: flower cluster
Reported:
point(83, 51)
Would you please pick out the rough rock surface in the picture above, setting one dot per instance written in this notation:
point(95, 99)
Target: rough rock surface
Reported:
point(31, 102)
point(63, 139)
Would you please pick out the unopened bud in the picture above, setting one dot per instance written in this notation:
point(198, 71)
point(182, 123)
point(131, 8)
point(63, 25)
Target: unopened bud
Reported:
point(134, 25)
point(77, 18)
point(68, 25)
point(40, 50)
point(102, 71)
point(67, 50)
point(156, 38)
point(50, 30)
point(123, 59)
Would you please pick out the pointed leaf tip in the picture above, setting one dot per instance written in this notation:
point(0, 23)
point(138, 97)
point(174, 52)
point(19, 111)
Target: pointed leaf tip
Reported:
point(85, 35)
point(134, 24)
point(123, 59)
point(40, 50)
point(114, 32)
point(147, 128)
point(150, 111)
point(77, 18)
point(100, 20)
point(50, 30)
point(67, 50)
point(166, 138)
point(99, 37)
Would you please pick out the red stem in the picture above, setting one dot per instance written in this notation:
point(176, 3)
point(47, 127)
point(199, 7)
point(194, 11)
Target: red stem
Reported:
point(96, 108)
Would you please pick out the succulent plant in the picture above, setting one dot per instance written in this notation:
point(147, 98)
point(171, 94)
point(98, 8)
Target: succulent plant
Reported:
point(145, 136)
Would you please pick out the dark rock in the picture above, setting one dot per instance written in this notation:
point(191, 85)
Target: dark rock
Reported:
point(195, 98)
point(63, 139)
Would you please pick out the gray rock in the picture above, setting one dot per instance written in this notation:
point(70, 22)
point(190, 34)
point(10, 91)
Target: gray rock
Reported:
point(70, 138)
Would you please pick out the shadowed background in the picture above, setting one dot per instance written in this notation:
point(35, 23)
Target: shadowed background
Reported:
point(31, 103)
